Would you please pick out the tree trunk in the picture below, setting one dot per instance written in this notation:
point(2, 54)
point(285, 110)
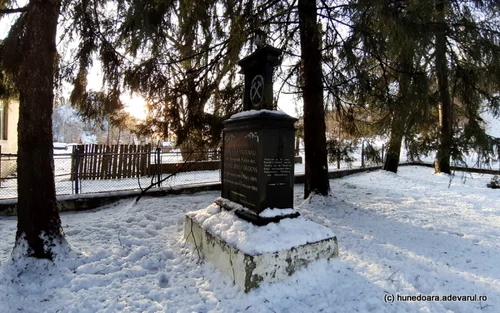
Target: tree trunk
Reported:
point(119, 135)
point(316, 165)
point(391, 162)
point(108, 135)
point(442, 162)
point(39, 229)
point(399, 114)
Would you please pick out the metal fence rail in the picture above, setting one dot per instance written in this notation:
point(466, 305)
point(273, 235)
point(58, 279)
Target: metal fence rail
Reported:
point(189, 168)
point(90, 170)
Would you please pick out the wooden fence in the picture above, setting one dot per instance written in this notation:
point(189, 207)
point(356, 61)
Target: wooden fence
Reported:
point(110, 162)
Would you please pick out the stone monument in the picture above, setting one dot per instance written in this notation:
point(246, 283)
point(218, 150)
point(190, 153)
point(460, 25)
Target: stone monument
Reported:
point(258, 163)
point(258, 144)
point(257, 188)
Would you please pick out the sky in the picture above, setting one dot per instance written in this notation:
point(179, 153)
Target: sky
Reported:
point(408, 234)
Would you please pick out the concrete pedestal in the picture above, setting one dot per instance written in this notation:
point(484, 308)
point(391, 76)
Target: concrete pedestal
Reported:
point(240, 251)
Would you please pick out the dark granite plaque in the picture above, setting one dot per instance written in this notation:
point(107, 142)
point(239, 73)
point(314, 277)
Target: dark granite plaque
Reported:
point(258, 164)
point(240, 172)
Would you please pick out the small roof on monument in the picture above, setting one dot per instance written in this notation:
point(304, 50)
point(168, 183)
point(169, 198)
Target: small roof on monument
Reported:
point(266, 114)
point(267, 53)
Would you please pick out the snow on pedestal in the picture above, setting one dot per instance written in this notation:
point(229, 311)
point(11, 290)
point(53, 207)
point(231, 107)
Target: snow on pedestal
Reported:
point(251, 255)
point(250, 113)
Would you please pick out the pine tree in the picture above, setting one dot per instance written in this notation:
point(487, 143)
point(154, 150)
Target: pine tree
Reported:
point(39, 232)
point(316, 176)
point(384, 68)
point(467, 67)
point(442, 163)
point(451, 48)
point(189, 70)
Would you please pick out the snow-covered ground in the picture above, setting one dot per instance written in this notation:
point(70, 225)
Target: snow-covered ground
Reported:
point(407, 234)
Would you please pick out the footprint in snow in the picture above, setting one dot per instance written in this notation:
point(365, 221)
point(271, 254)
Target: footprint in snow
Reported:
point(72, 232)
point(163, 281)
point(150, 217)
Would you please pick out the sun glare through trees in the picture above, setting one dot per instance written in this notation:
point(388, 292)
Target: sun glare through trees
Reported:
point(136, 106)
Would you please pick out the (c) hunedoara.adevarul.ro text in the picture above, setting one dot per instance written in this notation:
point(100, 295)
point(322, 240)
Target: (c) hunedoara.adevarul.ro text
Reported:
point(390, 298)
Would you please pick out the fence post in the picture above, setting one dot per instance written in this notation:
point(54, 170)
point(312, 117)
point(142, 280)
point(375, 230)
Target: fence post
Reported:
point(363, 154)
point(382, 153)
point(0, 165)
point(76, 159)
point(221, 159)
point(158, 166)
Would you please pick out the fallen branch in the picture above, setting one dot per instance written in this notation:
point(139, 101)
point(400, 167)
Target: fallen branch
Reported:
point(182, 167)
point(16, 10)
point(391, 277)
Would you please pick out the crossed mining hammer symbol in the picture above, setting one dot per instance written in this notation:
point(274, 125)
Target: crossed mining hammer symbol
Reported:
point(256, 89)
